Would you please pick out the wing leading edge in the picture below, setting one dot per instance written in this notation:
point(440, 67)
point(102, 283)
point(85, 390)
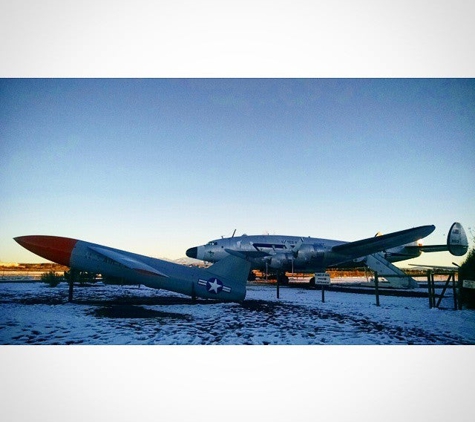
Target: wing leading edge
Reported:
point(379, 243)
point(127, 261)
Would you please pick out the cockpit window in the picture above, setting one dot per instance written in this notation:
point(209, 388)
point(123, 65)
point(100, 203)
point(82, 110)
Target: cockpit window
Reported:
point(212, 243)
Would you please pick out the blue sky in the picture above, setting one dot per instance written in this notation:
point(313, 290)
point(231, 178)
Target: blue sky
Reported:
point(156, 166)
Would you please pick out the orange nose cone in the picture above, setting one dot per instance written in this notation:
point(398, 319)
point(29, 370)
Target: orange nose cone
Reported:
point(54, 248)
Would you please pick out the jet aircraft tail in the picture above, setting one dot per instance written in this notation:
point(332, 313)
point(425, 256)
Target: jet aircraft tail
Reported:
point(231, 273)
point(232, 267)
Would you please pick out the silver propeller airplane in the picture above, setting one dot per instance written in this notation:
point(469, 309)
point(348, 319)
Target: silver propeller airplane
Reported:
point(313, 255)
point(224, 281)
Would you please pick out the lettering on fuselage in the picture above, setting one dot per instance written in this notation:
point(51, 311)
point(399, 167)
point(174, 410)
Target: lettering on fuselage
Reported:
point(94, 256)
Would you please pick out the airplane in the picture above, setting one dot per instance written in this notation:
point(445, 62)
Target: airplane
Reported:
point(314, 255)
point(225, 281)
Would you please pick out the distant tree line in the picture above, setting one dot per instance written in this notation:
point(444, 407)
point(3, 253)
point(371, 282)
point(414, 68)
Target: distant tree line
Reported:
point(53, 278)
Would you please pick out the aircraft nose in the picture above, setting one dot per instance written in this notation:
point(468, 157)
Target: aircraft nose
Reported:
point(192, 252)
point(53, 248)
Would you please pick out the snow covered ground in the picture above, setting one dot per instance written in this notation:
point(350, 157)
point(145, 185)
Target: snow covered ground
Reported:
point(34, 313)
point(341, 380)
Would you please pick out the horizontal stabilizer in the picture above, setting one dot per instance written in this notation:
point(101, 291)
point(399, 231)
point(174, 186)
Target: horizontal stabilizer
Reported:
point(127, 261)
point(380, 243)
point(457, 243)
point(428, 248)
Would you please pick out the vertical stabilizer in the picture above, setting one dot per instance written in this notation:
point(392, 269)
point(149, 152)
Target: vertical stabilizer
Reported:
point(232, 267)
point(457, 242)
point(228, 279)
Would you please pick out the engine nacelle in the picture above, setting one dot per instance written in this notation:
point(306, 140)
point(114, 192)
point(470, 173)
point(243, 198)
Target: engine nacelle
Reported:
point(278, 261)
point(308, 252)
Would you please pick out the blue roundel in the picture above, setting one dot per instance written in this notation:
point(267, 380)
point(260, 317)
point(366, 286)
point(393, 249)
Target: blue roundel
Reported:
point(214, 285)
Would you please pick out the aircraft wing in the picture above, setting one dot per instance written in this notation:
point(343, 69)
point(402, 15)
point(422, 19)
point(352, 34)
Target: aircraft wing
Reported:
point(380, 243)
point(127, 261)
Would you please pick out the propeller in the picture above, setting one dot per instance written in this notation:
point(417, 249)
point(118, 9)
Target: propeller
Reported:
point(295, 251)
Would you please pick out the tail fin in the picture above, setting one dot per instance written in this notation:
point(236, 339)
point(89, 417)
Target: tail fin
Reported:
point(227, 280)
point(232, 267)
point(457, 242)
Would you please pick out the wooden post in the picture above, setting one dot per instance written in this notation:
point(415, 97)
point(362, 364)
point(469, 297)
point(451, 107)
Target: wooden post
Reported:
point(441, 296)
point(376, 287)
point(429, 288)
point(455, 291)
point(72, 279)
point(432, 283)
point(323, 293)
point(432, 290)
point(449, 279)
point(278, 293)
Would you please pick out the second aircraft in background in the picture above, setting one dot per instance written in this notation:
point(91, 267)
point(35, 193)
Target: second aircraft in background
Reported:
point(280, 254)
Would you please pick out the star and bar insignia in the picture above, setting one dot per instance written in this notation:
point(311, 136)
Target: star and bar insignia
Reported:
point(214, 285)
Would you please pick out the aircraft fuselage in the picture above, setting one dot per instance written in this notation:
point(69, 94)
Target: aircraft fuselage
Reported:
point(225, 281)
point(278, 252)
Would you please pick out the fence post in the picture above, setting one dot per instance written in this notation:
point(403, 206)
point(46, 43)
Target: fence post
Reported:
point(72, 278)
point(376, 287)
point(429, 288)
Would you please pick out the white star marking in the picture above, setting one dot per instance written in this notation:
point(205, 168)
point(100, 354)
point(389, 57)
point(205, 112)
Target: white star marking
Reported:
point(214, 286)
